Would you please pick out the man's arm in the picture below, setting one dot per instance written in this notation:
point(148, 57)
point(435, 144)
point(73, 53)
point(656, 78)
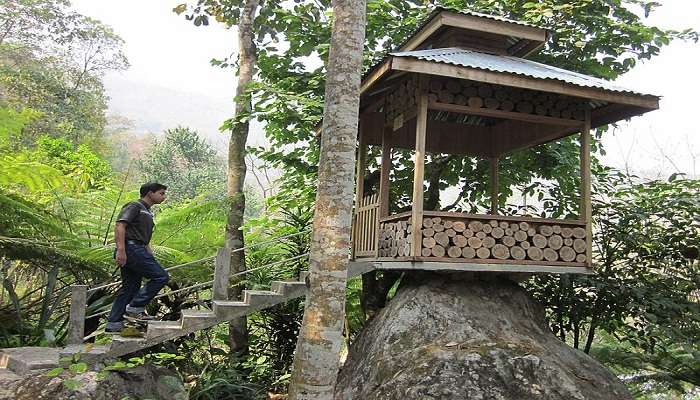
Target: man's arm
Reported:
point(120, 239)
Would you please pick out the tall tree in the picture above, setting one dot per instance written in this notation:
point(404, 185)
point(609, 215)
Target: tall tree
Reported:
point(243, 14)
point(247, 55)
point(318, 348)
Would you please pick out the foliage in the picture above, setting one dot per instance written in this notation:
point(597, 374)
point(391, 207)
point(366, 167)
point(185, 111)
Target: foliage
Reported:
point(51, 60)
point(224, 382)
point(187, 164)
point(645, 244)
point(12, 123)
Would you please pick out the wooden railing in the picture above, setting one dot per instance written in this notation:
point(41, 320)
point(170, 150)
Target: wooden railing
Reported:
point(365, 226)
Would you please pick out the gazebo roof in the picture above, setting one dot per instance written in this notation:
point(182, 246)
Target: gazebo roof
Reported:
point(511, 65)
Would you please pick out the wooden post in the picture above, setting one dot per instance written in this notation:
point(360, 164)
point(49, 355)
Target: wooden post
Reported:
point(222, 274)
point(384, 174)
point(359, 187)
point(417, 210)
point(78, 305)
point(585, 209)
point(494, 185)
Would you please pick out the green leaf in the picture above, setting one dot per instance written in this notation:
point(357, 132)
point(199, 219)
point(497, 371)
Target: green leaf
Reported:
point(54, 372)
point(72, 384)
point(78, 368)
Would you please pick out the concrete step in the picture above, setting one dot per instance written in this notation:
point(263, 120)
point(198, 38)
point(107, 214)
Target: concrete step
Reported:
point(160, 328)
point(289, 289)
point(89, 353)
point(259, 299)
point(21, 360)
point(120, 344)
point(192, 319)
point(226, 310)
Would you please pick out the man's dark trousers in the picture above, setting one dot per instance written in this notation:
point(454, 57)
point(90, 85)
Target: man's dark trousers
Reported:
point(139, 264)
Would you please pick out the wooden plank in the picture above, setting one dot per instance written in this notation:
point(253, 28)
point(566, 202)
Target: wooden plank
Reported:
point(504, 262)
point(494, 185)
point(384, 175)
point(586, 186)
point(396, 217)
point(222, 274)
point(525, 82)
point(78, 305)
point(540, 119)
point(408, 265)
point(418, 173)
point(567, 222)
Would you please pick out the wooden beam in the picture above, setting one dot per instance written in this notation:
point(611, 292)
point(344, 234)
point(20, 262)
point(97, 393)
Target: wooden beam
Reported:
point(585, 209)
point(384, 175)
point(418, 172)
point(504, 28)
point(422, 35)
point(445, 138)
point(375, 75)
point(494, 185)
point(511, 136)
point(507, 79)
point(486, 112)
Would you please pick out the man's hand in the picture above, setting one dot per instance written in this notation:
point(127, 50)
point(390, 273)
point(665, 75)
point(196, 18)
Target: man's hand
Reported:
point(149, 249)
point(121, 257)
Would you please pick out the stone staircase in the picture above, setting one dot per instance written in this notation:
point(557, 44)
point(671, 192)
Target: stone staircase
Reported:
point(195, 320)
point(16, 362)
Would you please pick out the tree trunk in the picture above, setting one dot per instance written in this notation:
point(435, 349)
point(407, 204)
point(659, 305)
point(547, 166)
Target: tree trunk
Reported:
point(247, 57)
point(317, 356)
point(437, 168)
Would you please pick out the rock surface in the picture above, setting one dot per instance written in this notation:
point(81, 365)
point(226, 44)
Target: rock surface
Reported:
point(143, 382)
point(456, 337)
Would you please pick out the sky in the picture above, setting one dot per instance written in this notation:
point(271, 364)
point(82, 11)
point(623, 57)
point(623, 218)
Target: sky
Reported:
point(171, 82)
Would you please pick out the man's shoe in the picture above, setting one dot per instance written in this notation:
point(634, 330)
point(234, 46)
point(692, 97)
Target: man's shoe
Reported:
point(139, 316)
point(114, 328)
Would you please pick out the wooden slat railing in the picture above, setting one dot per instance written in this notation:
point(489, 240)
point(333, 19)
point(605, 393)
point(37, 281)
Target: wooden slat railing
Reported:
point(365, 227)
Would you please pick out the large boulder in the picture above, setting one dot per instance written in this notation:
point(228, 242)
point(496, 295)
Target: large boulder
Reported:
point(457, 336)
point(142, 382)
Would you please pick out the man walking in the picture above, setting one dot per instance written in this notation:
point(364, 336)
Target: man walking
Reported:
point(132, 234)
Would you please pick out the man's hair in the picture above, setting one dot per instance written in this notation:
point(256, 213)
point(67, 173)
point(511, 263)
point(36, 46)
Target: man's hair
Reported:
point(151, 187)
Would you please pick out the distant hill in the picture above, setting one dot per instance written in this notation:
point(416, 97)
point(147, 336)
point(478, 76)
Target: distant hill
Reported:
point(154, 108)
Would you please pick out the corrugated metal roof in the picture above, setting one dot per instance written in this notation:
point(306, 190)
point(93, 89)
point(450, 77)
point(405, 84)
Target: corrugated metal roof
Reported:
point(511, 65)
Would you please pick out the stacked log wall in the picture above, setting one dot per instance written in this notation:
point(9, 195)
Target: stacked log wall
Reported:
point(504, 239)
point(395, 238)
point(401, 100)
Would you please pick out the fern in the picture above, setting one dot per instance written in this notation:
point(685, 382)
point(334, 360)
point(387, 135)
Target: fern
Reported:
point(18, 170)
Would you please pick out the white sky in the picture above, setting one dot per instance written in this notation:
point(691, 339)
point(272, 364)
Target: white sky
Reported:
point(168, 52)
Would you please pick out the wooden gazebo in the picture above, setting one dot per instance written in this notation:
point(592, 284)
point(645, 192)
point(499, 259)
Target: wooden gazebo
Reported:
point(461, 85)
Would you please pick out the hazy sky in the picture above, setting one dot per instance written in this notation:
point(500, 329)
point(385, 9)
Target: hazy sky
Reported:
point(170, 57)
